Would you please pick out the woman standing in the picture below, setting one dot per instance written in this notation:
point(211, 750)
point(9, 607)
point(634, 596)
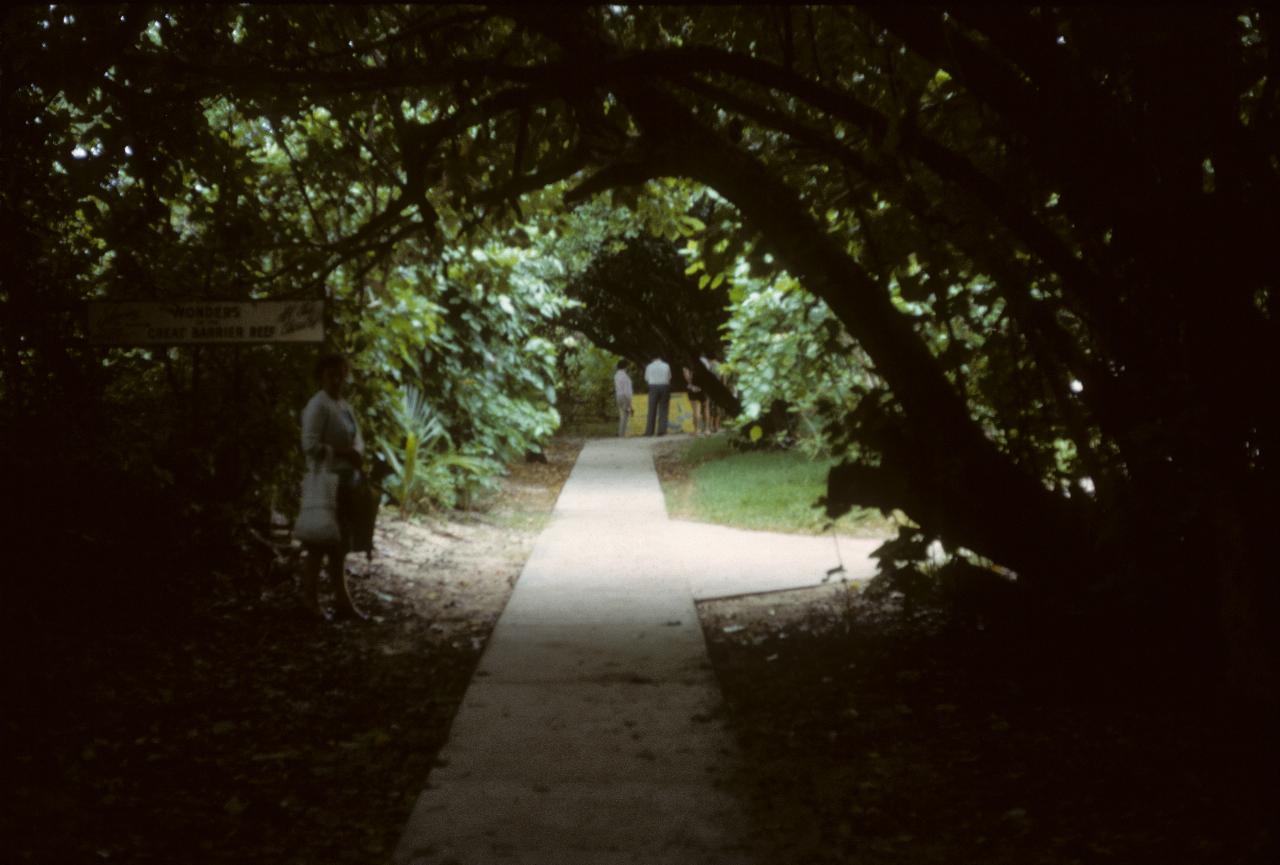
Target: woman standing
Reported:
point(712, 408)
point(697, 402)
point(622, 396)
point(330, 431)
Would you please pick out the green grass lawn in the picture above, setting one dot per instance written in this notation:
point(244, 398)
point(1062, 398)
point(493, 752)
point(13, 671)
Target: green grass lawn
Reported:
point(706, 480)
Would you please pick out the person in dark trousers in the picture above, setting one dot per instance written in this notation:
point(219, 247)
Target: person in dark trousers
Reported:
point(657, 375)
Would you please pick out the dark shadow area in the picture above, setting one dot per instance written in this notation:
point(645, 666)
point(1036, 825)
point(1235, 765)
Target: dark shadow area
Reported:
point(213, 722)
point(874, 736)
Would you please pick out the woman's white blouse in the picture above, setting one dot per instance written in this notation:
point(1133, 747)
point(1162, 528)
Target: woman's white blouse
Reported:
point(329, 425)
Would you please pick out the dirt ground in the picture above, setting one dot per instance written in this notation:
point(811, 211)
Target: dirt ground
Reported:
point(879, 732)
point(874, 734)
point(246, 734)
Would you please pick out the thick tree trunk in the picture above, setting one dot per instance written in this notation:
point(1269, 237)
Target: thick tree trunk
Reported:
point(976, 495)
point(1234, 561)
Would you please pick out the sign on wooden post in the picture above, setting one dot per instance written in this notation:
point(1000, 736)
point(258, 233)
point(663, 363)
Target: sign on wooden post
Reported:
point(205, 322)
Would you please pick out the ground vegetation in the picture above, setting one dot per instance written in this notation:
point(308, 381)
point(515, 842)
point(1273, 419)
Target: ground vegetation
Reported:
point(719, 480)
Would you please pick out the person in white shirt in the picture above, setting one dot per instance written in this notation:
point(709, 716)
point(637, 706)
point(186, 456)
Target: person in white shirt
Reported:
point(330, 431)
point(622, 393)
point(657, 375)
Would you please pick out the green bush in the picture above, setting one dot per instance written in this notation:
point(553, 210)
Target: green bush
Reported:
point(789, 355)
point(586, 381)
point(426, 468)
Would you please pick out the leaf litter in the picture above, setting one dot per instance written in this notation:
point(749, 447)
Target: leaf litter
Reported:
point(243, 733)
point(873, 736)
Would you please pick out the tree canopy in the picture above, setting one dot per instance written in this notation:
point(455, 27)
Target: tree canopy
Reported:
point(1039, 230)
point(638, 302)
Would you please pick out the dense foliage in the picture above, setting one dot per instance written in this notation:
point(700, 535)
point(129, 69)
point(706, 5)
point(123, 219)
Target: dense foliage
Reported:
point(786, 349)
point(640, 303)
point(1041, 229)
point(469, 334)
point(123, 194)
point(585, 393)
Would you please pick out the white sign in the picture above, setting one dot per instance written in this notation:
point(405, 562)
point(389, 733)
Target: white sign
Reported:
point(205, 321)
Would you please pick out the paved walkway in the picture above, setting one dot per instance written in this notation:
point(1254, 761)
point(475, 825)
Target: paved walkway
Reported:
point(587, 734)
point(736, 562)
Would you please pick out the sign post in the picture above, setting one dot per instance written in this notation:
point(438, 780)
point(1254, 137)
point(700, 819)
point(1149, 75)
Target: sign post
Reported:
point(205, 322)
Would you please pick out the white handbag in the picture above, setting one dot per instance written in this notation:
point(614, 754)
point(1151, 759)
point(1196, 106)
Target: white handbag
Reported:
point(317, 521)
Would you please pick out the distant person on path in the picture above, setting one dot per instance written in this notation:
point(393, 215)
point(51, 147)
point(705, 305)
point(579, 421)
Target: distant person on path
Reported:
point(330, 431)
point(713, 410)
point(622, 393)
point(697, 402)
point(657, 375)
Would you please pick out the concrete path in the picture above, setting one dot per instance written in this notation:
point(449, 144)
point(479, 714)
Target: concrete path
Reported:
point(739, 562)
point(587, 735)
